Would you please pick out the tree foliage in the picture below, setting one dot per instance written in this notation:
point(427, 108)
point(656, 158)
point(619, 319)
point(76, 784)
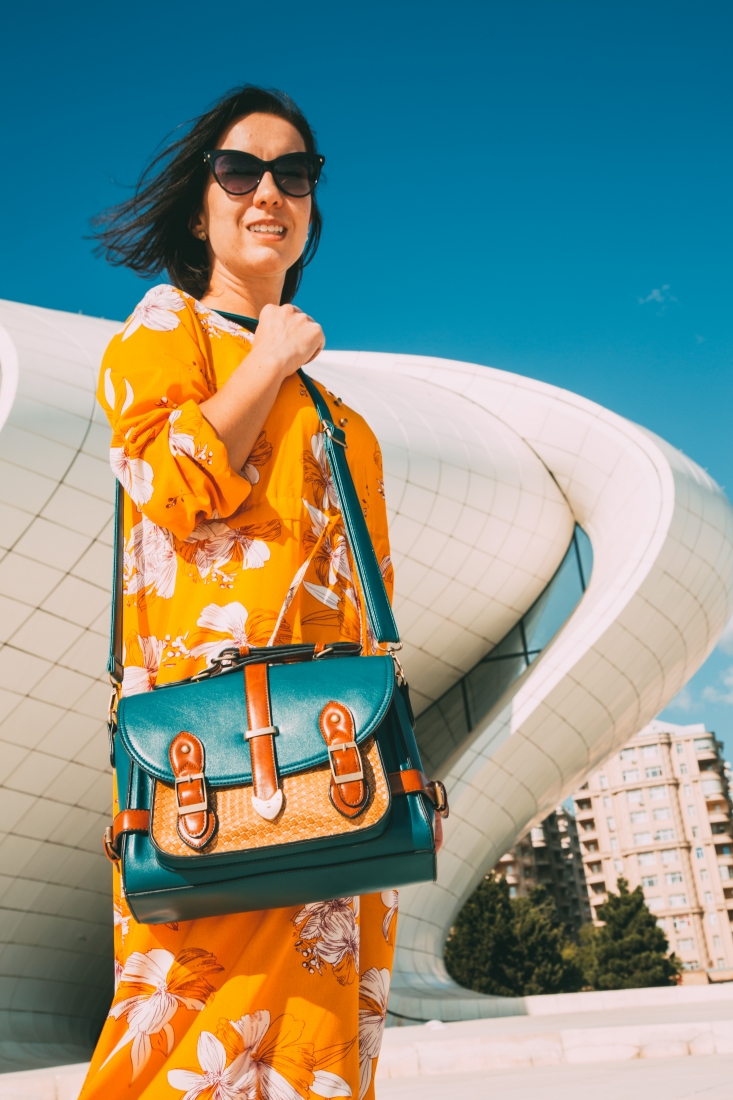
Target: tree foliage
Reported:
point(510, 947)
point(516, 947)
point(630, 949)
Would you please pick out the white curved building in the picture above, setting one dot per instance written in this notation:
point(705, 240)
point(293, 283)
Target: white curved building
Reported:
point(487, 475)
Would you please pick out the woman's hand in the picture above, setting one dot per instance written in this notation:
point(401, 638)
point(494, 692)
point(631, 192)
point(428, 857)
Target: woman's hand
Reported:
point(286, 339)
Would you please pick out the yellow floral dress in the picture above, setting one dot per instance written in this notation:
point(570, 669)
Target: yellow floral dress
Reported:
point(284, 1004)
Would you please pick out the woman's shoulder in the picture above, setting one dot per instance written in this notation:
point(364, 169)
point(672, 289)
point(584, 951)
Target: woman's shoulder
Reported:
point(169, 316)
point(354, 424)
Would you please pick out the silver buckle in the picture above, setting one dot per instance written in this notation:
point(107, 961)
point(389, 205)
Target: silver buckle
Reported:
point(350, 777)
point(261, 731)
point(328, 429)
point(197, 807)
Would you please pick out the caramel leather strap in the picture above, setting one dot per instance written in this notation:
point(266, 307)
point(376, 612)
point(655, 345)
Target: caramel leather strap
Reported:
point(126, 821)
point(267, 798)
point(196, 819)
point(413, 781)
point(348, 790)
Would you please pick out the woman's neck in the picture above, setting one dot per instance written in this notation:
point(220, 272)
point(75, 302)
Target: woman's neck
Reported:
point(228, 293)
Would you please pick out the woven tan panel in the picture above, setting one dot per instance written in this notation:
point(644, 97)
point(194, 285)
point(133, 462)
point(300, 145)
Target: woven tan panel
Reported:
point(306, 815)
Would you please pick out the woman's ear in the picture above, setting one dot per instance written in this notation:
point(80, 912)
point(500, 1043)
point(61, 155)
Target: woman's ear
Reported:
point(197, 226)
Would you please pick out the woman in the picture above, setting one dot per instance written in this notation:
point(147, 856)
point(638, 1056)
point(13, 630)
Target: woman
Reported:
point(233, 537)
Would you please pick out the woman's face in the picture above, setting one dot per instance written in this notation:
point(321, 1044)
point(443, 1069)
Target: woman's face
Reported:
point(262, 234)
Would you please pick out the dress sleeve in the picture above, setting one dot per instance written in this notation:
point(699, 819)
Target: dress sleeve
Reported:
point(154, 376)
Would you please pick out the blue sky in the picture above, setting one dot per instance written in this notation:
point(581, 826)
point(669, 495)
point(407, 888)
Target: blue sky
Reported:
point(543, 187)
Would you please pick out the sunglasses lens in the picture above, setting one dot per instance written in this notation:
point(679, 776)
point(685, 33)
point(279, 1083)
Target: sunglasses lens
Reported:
point(237, 173)
point(296, 175)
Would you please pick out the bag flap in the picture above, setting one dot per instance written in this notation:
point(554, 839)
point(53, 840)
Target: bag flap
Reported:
point(215, 711)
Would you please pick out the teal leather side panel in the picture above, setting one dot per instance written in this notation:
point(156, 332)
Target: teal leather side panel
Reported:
point(215, 711)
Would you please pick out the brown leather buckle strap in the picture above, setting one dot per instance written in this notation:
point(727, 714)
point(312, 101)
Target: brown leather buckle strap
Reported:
point(413, 781)
point(196, 819)
point(127, 821)
point(348, 791)
point(267, 798)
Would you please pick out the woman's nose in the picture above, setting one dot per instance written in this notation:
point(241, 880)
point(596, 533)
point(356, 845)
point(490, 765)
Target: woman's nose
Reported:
point(267, 191)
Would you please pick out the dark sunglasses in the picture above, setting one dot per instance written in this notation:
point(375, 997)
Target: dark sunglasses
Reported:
point(296, 174)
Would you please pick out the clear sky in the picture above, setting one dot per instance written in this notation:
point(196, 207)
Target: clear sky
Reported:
point(541, 186)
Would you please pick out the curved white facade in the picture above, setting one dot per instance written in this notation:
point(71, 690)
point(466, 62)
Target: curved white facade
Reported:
point(486, 474)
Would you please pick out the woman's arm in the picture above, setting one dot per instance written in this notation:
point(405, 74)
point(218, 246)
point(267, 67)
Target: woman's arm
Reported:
point(286, 339)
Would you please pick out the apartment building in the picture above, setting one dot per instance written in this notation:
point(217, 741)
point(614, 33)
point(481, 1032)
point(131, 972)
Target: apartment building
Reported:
point(659, 814)
point(550, 856)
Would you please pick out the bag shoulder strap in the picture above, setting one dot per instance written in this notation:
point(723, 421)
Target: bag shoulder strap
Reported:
point(379, 612)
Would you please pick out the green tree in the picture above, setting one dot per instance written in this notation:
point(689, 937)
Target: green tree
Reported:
point(482, 951)
point(630, 949)
point(511, 947)
point(546, 963)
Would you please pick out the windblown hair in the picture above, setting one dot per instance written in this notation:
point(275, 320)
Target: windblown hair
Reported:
point(151, 231)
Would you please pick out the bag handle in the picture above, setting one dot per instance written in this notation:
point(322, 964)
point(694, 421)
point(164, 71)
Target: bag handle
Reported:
point(379, 612)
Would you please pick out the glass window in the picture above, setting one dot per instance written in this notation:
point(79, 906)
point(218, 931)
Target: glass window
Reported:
point(670, 855)
point(673, 877)
point(631, 776)
point(712, 786)
point(649, 752)
point(700, 855)
point(649, 881)
point(686, 944)
point(704, 876)
point(635, 797)
point(611, 822)
point(665, 834)
point(663, 815)
point(704, 743)
point(723, 870)
point(691, 811)
point(639, 817)
point(683, 769)
point(655, 903)
point(653, 773)
point(627, 754)
point(603, 782)
point(618, 864)
point(657, 793)
point(646, 858)
point(688, 790)
point(642, 838)
point(708, 898)
point(681, 923)
point(677, 901)
point(607, 801)
point(614, 844)
point(712, 918)
point(717, 943)
point(680, 748)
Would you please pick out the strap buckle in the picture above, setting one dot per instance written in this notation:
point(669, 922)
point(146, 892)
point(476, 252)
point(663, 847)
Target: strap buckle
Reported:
point(262, 731)
point(440, 798)
point(350, 777)
point(111, 852)
point(195, 807)
point(331, 431)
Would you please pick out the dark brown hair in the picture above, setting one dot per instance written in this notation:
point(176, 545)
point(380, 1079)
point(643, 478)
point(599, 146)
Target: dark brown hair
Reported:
point(151, 231)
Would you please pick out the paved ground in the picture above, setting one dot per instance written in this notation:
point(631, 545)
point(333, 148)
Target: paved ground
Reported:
point(705, 1078)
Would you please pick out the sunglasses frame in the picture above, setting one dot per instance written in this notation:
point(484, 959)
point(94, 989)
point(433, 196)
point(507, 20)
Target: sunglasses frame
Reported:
point(212, 155)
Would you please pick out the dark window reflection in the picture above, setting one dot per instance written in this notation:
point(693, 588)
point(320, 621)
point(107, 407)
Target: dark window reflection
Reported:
point(447, 722)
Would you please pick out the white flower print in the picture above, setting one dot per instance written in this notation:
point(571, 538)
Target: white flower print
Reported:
point(118, 973)
point(373, 995)
point(390, 898)
point(111, 396)
point(152, 555)
point(156, 311)
point(214, 324)
point(121, 920)
point(139, 678)
point(217, 543)
point(230, 620)
point(159, 984)
point(218, 1081)
point(329, 933)
point(318, 474)
point(325, 595)
point(289, 597)
point(180, 443)
point(135, 475)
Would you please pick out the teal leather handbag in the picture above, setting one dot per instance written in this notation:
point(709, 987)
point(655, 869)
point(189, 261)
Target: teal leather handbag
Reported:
point(279, 776)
